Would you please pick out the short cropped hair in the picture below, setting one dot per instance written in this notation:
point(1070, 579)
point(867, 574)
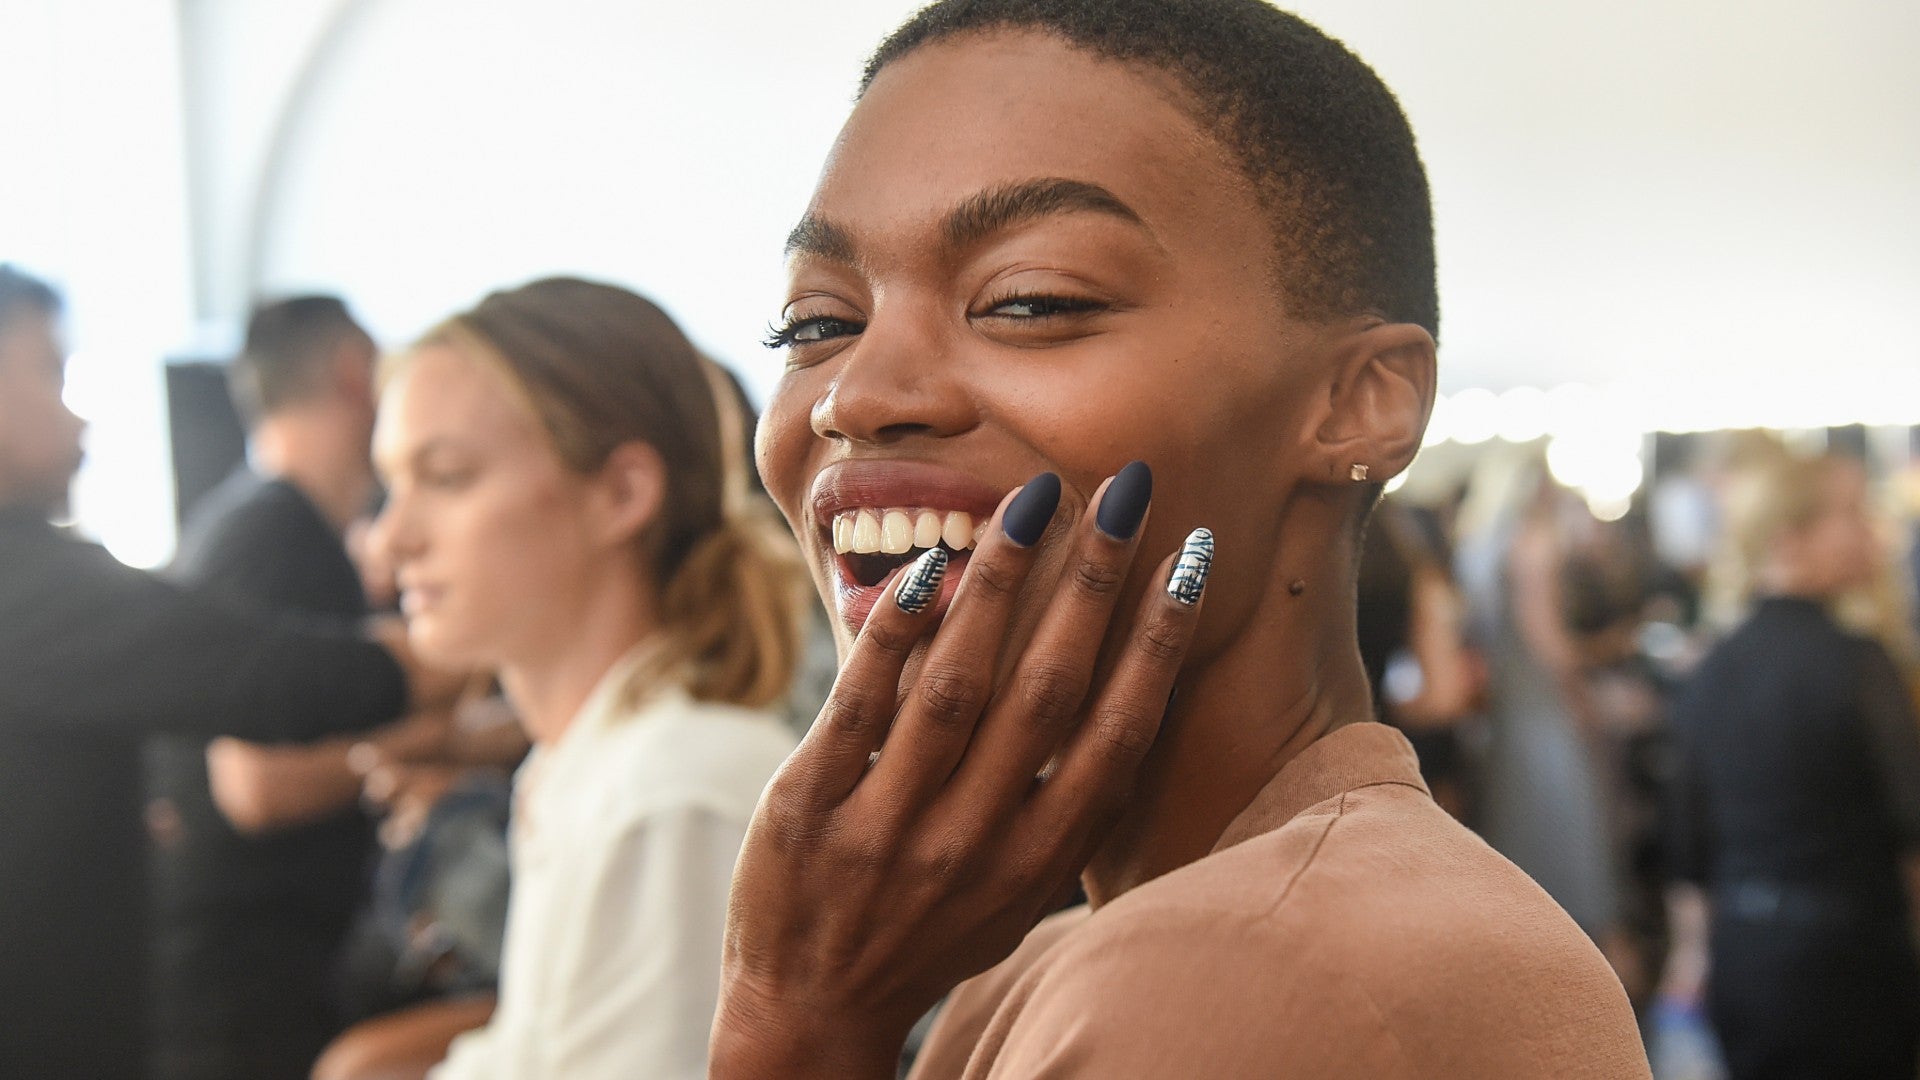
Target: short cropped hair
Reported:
point(1320, 137)
point(284, 358)
point(22, 292)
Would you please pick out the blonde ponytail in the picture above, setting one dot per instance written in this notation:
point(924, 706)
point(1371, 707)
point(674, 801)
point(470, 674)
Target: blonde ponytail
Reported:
point(733, 613)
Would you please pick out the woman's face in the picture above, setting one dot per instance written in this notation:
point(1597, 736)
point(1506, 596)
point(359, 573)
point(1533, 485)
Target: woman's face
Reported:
point(488, 532)
point(1023, 258)
point(1839, 548)
point(39, 435)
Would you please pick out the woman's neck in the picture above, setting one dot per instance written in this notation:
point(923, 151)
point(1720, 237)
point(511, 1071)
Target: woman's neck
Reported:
point(1291, 676)
point(1793, 582)
point(556, 675)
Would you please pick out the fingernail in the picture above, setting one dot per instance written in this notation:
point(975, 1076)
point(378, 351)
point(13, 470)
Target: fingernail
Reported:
point(1125, 502)
point(1027, 515)
point(1189, 577)
point(921, 582)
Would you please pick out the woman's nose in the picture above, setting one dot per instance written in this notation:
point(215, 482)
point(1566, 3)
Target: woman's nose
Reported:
point(389, 538)
point(895, 383)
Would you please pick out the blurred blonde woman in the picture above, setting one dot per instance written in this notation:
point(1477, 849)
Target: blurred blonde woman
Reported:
point(1797, 806)
point(570, 506)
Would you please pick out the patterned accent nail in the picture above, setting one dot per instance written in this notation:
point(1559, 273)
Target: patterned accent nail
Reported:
point(1189, 577)
point(921, 581)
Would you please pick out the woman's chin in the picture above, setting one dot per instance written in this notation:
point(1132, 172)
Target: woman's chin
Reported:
point(438, 645)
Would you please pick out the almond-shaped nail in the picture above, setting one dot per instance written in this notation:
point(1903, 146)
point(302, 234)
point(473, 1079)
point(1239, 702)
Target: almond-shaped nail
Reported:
point(1026, 518)
point(1125, 502)
point(920, 583)
point(1189, 577)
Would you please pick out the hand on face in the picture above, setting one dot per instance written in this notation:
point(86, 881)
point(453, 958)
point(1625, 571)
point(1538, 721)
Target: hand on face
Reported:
point(923, 828)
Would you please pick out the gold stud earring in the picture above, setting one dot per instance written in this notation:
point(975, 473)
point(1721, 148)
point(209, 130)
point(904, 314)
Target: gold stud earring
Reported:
point(1358, 472)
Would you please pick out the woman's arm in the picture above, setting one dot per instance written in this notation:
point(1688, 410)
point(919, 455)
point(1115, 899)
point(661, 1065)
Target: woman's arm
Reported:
point(1685, 977)
point(405, 1044)
point(1451, 682)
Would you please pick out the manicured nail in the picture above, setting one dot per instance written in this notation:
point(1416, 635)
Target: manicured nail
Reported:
point(1189, 577)
point(1125, 502)
point(1025, 521)
point(921, 581)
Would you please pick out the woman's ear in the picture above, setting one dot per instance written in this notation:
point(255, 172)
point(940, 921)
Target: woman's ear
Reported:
point(629, 491)
point(1378, 404)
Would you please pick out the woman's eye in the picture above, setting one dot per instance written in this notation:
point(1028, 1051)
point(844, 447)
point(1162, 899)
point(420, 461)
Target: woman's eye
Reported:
point(448, 480)
point(1039, 307)
point(810, 331)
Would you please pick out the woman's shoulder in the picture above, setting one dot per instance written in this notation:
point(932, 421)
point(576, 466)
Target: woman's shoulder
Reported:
point(677, 752)
point(1390, 913)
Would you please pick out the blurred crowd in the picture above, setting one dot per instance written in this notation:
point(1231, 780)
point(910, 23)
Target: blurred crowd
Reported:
point(1692, 724)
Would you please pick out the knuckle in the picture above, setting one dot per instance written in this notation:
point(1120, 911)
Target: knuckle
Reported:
point(847, 713)
point(1050, 694)
point(1122, 738)
point(994, 578)
point(889, 637)
point(943, 859)
point(1162, 641)
point(1097, 578)
point(949, 697)
point(866, 856)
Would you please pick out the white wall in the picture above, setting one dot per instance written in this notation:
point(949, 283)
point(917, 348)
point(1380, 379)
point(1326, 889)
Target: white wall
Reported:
point(1712, 191)
point(92, 194)
point(1704, 207)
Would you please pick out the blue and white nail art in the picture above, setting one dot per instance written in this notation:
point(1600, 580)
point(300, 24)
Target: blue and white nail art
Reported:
point(920, 583)
point(1190, 570)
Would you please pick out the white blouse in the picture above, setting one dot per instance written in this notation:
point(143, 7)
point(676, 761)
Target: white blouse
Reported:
point(625, 834)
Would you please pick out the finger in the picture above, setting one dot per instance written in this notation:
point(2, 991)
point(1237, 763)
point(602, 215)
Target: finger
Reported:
point(1034, 710)
point(854, 721)
point(938, 713)
point(1096, 769)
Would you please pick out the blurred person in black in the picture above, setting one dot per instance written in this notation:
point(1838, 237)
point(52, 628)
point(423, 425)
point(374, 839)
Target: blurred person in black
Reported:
point(261, 852)
point(1425, 679)
point(1795, 830)
point(95, 657)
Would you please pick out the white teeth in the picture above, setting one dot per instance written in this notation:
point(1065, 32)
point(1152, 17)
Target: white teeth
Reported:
point(896, 533)
point(959, 530)
point(926, 530)
point(899, 531)
point(866, 533)
point(980, 532)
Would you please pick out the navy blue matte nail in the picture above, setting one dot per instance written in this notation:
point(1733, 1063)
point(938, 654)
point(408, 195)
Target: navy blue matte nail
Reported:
point(1125, 502)
point(1025, 521)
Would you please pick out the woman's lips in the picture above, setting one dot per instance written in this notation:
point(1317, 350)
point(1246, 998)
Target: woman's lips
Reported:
point(866, 510)
point(416, 600)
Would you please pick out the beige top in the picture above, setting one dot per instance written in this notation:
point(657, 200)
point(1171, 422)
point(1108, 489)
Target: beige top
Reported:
point(1344, 926)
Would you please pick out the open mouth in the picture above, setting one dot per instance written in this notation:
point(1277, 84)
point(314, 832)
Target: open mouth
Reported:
point(873, 543)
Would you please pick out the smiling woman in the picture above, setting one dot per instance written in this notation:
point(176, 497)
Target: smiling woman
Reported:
point(1068, 259)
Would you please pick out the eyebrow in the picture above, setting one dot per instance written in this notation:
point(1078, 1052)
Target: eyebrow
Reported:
point(991, 211)
point(979, 216)
point(816, 235)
